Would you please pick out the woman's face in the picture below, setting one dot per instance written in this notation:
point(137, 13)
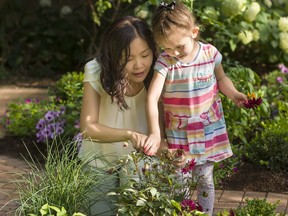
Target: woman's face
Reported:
point(139, 61)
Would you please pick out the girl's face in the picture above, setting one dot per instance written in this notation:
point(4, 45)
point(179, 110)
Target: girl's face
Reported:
point(180, 43)
point(139, 61)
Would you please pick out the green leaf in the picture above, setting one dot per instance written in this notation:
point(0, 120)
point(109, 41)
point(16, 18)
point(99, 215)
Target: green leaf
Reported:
point(140, 203)
point(176, 204)
point(153, 191)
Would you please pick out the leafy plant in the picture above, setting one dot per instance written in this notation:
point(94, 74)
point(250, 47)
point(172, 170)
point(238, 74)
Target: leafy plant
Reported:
point(270, 145)
point(63, 181)
point(156, 187)
point(241, 123)
point(257, 207)
point(48, 209)
point(247, 27)
point(254, 207)
point(21, 117)
point(51, 117)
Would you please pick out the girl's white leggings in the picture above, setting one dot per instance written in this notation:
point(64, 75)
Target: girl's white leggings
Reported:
point(205, 186)
point(203, 176)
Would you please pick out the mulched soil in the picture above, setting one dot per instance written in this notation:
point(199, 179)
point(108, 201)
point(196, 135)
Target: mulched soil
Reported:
point(248, 177)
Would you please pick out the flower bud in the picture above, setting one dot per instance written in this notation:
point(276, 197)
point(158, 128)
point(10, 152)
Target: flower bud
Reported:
point(252, 11)
point(283, 24)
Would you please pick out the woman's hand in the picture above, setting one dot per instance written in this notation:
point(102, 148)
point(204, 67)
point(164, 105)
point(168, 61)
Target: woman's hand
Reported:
point(138, 140)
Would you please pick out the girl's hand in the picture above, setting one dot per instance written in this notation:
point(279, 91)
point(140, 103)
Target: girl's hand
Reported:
point(152, 144)
point(180, 161)
point(239, 99)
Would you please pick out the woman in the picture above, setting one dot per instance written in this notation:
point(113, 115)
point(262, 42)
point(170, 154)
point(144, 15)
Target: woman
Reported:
point(113, 119)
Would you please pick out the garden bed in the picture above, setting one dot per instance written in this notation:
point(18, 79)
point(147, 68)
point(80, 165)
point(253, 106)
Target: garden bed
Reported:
point(248, 177)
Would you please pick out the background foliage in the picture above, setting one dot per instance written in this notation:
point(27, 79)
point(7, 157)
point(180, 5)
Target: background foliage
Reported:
point(48, 37)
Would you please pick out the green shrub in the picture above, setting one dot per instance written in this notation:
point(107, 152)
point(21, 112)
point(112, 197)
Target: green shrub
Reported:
point(47, 118)
point(21, 117)
point(276, 87)
point(242, 122)
point(257, 207)
point(245, 29)
point(254, 207)
point(270, 145)
point(69, 91)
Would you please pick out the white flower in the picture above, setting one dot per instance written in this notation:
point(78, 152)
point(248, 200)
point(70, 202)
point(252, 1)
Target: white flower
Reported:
point(45, 3)
point(245, 36)
point(283, 24)
point(268, 3)
point(283, 44)
point(256, 35)
point(141, 12)
point(65, 10)
point(211, 13)
point(252, 11)
point(233, 7)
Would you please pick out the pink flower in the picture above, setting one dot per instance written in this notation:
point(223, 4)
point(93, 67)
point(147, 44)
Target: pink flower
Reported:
point(283, 68)
point(279, 79)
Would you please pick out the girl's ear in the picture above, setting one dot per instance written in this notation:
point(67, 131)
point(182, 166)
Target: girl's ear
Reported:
point(195, 32)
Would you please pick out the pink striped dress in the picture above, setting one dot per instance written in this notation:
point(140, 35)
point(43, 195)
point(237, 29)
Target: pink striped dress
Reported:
point(192, 106)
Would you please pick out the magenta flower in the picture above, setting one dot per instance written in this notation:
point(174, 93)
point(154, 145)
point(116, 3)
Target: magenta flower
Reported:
point(28, 100)
point(189, 166)
point(188, 205)
point(252, 102)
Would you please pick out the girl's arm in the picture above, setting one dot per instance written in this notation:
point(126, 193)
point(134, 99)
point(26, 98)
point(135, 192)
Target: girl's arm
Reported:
point(227, 87)
point(100, 133)
point(154, 92)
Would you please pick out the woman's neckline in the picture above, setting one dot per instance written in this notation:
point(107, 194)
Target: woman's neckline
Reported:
point(133, 94)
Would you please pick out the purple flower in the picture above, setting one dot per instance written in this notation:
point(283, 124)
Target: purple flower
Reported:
point(40, 137)
point(279, 79)
point(46, 132)
point(59, 130)
point(50, 116)
point(283, 68)
point(62, 110)
point(77, 124)
point(8, 122)
point(41, 124)
point(78, 139)
point(235, 169)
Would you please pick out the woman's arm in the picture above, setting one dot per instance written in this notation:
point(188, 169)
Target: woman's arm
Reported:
point(227, 87)
point(92, 129)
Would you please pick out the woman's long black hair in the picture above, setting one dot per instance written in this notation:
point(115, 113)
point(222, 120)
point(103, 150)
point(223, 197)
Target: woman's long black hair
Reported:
point(115, 42)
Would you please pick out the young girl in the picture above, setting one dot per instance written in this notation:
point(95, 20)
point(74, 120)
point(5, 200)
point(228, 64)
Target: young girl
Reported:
point(188, 76)
point(113, 107)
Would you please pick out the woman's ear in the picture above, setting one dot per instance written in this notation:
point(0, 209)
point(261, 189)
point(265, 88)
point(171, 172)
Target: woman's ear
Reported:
point(195, 32)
